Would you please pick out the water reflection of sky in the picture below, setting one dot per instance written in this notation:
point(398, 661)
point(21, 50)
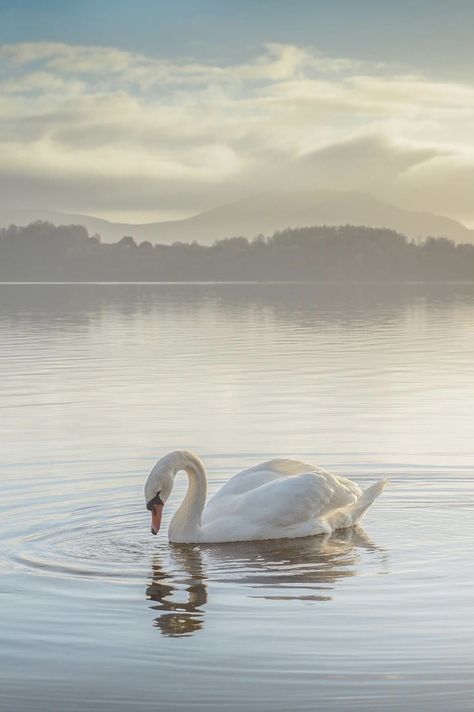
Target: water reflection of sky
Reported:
point(96, 382)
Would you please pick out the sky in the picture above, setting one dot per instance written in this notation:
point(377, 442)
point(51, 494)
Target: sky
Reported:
point(150, 110)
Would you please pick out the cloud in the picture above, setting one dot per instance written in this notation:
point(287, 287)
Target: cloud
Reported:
point(278, 62)
point(365, 161)
point(97, 129)
point(445, 181)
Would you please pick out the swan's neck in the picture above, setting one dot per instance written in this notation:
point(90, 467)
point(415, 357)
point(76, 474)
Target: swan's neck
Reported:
point(186, 523)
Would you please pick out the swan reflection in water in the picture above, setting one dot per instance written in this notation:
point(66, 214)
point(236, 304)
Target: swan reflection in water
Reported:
point(177, 617)
point(306, 569)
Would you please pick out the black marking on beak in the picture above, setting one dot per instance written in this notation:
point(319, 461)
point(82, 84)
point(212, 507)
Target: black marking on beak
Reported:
point(156, 500)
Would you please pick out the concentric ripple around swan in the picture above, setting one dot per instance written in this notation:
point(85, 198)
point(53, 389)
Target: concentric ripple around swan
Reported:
point(84, 536)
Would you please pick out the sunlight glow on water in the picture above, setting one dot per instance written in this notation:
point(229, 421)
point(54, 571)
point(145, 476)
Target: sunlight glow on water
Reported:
point(97, 382)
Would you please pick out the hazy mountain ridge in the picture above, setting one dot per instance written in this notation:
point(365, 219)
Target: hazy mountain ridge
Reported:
point(264, 214)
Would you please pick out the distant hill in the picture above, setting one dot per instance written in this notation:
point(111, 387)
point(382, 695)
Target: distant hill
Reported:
point(264, 214)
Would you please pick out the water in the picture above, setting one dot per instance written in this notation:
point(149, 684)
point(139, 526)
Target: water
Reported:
point(98, 381)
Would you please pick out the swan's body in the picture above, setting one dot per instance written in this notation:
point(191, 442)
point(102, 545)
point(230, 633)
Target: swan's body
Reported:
point(278, 499)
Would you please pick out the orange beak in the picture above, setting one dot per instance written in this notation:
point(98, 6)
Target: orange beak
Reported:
point(156, 513)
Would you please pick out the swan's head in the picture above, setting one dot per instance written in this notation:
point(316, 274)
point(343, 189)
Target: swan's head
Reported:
point(157, 490)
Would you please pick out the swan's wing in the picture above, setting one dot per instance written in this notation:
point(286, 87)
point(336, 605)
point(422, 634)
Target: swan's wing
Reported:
point(248, 480)
point(261, 474)
point(343, 491)
point(286, 501)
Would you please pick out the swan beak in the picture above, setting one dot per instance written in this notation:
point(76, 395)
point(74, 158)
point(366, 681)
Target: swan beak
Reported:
point(156, 513)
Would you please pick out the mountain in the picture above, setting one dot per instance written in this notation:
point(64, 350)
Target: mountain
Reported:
point(264, 214)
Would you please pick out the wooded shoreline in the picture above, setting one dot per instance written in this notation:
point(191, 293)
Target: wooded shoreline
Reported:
point(44, 252)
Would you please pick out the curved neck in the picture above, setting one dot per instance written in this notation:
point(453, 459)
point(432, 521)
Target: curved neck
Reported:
point(186, 523)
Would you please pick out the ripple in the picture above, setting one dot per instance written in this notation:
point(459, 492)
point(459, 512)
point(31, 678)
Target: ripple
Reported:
point(92, 540)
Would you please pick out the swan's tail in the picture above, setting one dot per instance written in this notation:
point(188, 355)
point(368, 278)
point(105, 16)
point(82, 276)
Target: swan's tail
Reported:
point(353, 513)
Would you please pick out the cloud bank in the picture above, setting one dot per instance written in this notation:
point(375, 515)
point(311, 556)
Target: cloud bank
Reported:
point(127, 136)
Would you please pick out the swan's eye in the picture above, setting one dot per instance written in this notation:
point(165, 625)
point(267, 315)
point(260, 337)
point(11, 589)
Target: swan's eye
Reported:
point(156, 500)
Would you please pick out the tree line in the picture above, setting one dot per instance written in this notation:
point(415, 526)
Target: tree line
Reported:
point(42, 251)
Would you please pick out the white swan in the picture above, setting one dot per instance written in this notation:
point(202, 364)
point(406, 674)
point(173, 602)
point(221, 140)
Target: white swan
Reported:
point(278, 499)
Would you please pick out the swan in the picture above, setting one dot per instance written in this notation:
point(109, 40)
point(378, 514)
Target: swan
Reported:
point(278, 499)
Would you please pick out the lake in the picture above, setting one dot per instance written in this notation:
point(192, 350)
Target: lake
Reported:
point(99, 381)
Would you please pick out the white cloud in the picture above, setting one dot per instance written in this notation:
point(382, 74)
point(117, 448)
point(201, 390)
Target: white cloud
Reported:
point(76, 120)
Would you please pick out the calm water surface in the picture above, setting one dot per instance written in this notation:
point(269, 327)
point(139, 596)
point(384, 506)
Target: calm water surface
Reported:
point(98, 381)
